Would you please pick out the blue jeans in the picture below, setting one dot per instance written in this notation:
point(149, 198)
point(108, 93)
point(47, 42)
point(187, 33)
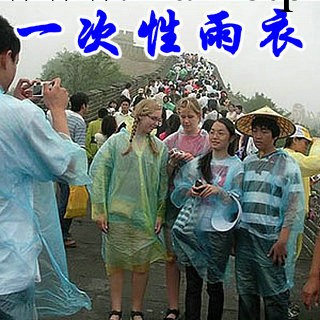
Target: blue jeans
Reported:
point(275, 307)
point(18, 305)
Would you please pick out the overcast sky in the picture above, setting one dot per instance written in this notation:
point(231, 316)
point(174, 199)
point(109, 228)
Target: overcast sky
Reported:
point(292, 78)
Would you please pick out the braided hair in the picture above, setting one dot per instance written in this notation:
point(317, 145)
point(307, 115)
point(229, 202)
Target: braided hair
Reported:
point(143, 108)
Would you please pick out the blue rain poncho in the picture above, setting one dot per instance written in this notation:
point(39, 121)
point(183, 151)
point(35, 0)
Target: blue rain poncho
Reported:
point(273, 198)
point(31, 249)
point(196, 242)
point(130, 191)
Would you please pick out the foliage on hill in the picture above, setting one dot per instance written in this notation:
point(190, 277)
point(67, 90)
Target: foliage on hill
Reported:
point(80, 73)
point(258, 101)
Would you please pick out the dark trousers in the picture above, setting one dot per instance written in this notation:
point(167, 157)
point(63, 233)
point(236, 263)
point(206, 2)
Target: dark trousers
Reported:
point(275, 307)
point(62, 201)
point(193, 297)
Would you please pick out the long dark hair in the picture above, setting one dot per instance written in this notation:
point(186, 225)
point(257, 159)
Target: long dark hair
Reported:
point(172, 123)
point(108, 126)
point(204, 162)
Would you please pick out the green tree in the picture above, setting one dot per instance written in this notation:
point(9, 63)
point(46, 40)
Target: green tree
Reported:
point(81, 73)
point(258, 101)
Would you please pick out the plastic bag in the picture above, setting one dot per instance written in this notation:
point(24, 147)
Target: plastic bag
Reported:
point(77, 202)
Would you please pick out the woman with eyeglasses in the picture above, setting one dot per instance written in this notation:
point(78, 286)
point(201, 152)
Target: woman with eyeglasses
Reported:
point(128, 199)
point(207, 191)
point(185, 144)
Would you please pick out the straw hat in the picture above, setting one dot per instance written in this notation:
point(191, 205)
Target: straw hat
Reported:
point(244, 123)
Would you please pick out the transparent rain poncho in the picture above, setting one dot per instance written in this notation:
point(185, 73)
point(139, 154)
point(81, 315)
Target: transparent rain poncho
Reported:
point(273, 198)
point(55, 294)
point(32, 155)
point(130, 191)
point(196, 144)
point(196, 241)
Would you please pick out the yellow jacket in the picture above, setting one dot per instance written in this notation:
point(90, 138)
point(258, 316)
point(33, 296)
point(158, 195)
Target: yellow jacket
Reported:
point(309, 166)
point(91, 146)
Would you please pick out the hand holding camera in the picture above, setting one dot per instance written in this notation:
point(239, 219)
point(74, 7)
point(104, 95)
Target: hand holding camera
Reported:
point(38, 87)
point(23, 89)
point(198, 187)
point(55, 97)
point(176, 154)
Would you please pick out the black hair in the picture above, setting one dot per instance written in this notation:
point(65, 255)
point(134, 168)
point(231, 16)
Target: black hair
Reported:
point(77, 100)
point(239, 106)
point(8, 39)
point(267, 122)
point(112, 102)
point(172, 124)
point(124, 99)
point(137, 100)
point(108, 125)
point(207, 124)
point(205, 161)
point(223, 113)
point(102, 112)
point(288, 142)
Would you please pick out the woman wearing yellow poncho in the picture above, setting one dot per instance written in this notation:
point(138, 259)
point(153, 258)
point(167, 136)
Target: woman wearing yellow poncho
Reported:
point(128, 196)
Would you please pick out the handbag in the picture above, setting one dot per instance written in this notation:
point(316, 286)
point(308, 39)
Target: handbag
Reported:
point(77, 202)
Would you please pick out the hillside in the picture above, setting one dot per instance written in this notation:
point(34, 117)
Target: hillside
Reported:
point(132, 67)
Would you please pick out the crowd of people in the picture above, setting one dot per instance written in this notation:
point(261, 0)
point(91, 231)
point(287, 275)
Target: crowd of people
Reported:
point(169, 180)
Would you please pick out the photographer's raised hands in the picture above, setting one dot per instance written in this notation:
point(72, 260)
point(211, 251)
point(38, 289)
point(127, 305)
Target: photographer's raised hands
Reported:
point(23, 89)
point(56, 99)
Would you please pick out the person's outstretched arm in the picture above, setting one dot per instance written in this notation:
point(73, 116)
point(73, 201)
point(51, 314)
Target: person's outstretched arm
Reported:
point(310, 291)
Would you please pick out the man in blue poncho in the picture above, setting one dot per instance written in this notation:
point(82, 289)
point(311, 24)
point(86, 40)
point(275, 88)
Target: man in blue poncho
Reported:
point(32, 153)
point(273, 215)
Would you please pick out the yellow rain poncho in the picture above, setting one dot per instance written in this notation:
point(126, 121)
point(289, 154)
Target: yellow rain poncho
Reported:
point(130, 190)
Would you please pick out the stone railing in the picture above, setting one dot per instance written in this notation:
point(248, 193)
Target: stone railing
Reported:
point(312, 225)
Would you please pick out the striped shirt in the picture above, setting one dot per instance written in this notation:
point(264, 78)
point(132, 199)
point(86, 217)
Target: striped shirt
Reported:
point(77, 127)
point(272, 194)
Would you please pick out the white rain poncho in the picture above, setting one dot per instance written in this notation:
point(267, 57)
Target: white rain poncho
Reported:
point(196, 242)
point(273, 198)
point(130, 191)
point(31, 155)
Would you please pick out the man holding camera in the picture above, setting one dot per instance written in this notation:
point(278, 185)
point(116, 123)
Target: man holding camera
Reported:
point(32, 153)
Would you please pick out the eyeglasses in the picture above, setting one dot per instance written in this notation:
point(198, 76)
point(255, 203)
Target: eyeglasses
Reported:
point(155, 119)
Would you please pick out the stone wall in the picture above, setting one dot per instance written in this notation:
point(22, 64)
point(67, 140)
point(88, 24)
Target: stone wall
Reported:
point(101, 98)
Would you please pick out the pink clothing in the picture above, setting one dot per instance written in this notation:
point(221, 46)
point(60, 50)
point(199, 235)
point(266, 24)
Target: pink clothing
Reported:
point(195, 144)
point(163, 135)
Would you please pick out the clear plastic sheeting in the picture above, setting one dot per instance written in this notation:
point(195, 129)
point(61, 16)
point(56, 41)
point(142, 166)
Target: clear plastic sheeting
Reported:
point(31, 152)
point(195, 240)
point(273, 199)
point(55, 294)
point(130, 191)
